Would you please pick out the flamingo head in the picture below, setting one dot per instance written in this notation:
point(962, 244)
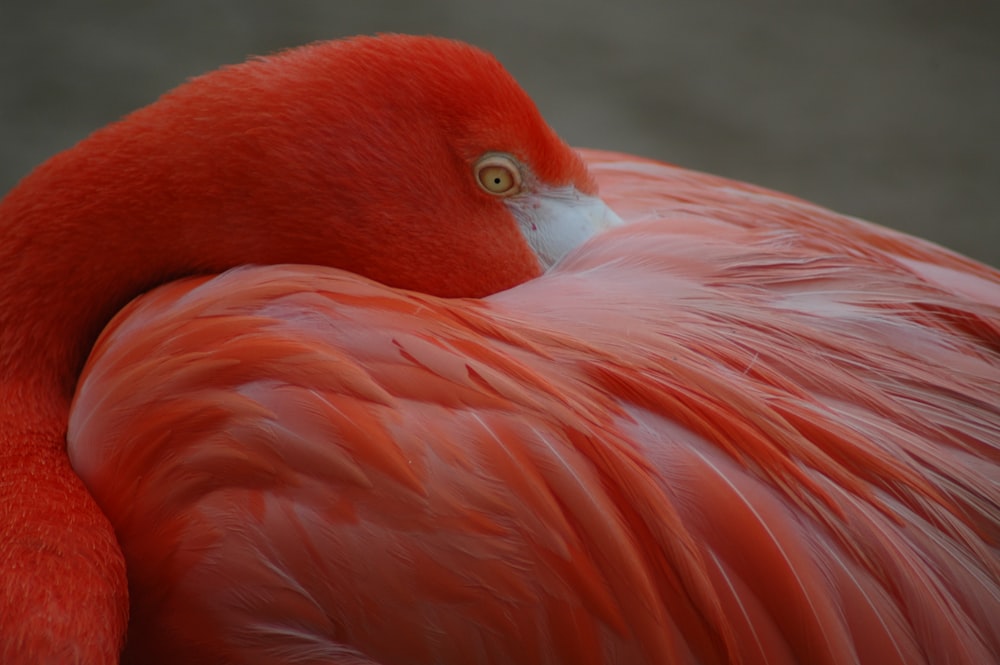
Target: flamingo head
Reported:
point(418, 162)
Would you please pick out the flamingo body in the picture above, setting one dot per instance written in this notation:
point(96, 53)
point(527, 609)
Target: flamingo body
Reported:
point(739, 429)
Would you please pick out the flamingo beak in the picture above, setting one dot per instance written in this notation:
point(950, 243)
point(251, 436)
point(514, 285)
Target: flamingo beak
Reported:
point(556, 220)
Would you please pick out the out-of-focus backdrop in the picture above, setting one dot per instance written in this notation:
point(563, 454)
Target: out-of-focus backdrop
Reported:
point(885, 109)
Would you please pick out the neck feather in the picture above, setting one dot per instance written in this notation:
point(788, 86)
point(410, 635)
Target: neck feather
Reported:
point(63, 590)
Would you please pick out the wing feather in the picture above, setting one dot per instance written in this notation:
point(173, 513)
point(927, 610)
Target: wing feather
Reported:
point(739, 429)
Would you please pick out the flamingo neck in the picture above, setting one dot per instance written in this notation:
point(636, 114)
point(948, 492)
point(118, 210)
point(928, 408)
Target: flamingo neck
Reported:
point(63, 590)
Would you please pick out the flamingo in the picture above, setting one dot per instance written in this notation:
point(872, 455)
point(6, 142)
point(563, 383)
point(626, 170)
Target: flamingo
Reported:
point(395, 386)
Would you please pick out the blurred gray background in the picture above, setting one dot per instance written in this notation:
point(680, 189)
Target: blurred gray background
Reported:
point(884, 109)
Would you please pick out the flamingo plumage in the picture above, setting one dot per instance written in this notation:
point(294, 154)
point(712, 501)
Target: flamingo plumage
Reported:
point(738, 428)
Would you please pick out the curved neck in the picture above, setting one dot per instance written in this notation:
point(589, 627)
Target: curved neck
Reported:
point(63, 590)
point(68, 265)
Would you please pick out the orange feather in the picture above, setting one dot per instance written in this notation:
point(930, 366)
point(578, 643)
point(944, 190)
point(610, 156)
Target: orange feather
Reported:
point(728, 432)
point(738, 429)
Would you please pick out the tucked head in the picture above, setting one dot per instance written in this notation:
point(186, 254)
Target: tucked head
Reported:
point(418, 162)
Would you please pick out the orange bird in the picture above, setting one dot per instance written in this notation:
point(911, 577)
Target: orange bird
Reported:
point(737, 428)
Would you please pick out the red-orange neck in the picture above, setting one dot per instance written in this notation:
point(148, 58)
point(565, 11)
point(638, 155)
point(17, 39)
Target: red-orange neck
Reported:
point(63, 591)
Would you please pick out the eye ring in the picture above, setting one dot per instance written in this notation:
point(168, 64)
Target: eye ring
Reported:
point(498, 175)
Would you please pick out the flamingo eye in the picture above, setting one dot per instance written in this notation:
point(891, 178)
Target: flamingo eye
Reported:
point(498, 175)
